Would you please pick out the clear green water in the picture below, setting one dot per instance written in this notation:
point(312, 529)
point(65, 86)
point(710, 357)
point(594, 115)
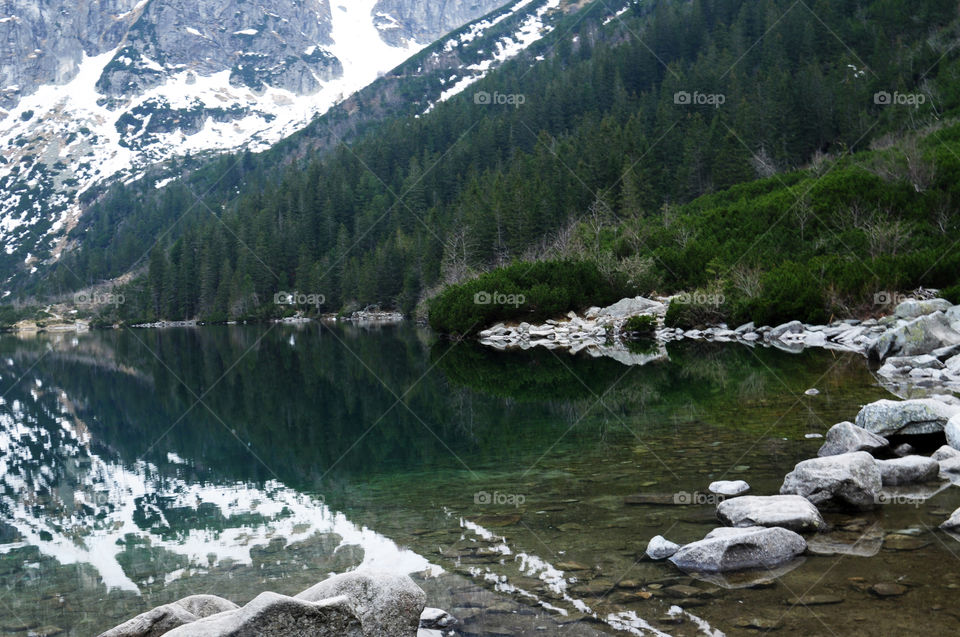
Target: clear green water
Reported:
point(139, 467)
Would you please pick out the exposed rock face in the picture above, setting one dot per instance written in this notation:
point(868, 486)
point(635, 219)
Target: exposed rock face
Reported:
point(388, 605)
point(908, 470)
point(919, 336)
point(912, 308)
point(401, 20)
point(273, 615)
point(206, 605)
point(850, 480)
point(846, 437)
point(788, 511)
point(728, 549)
point(917, 416)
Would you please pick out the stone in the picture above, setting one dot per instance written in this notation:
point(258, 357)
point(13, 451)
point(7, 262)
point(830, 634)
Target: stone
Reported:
point(924, 361)
point(846, 437)
point(728, 487)
point(788, 511)
point(206, 605)
point(916, 416)
point(436, 619)
point(274, 615)
point(822, 599)
point(389, 605)
point(888, 589)
point(631, 307)
point(849, 480)
point(734, 549)
point(793, 327)
point(904, 450)
point(908, 470)
point(953, 522)
point(912, 308)
point(865, 542)
point(919, 336)
point(153, 623)
point(946, 452)
point(952, 432)
point(661, 548)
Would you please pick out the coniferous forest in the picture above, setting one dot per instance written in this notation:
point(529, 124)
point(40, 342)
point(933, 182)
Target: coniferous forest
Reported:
point(791, 160)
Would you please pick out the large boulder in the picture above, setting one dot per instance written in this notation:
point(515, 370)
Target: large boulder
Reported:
point(788, 511)
point(908, 470)
point(912, 308)
point(849, 480)
point(153, 623)
point(952, 431)
point(729, 549)
point(846, 437)
point(206, 605)
point(919, 336)
point(917, 416)
point(631, 307)
point(389, 605)
point(273, 615)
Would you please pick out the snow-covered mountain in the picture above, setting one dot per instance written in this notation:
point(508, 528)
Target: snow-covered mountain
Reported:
point(91, 90)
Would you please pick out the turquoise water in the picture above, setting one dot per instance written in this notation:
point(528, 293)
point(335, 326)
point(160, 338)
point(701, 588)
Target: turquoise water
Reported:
point(141, 466)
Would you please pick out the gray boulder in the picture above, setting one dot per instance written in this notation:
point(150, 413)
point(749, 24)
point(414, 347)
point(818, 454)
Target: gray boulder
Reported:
point(912, 308)
point(728, 487)
point(917, 416)
point(946, 452)
point(923, 361)
point(729, 549)
point(660, 548)
point(849, 480)
point(919, 336)
point(206, 605)
point(953, 522)
point(273, 615)
point(153, 623)
point(788, 511)
point(389, 605)
point(846, 437)
point(793, 327)
point(631, 307)
point(908, 470)
point(952, 431)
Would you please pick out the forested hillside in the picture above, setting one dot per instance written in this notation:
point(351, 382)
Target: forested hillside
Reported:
point(593, 144)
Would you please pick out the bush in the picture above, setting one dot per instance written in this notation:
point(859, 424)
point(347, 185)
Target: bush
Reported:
point(521, 292)
point(641, 325)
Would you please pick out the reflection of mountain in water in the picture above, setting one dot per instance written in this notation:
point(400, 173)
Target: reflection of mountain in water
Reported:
point(77, 506)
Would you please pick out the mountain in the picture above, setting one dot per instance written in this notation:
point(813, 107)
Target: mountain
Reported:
point(99, 90)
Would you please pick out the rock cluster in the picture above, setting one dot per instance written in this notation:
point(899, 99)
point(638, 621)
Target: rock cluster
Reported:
point(354, 604)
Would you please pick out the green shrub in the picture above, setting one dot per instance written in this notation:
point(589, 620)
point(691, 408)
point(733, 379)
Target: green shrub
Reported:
point(521, 292)
point(641, 325)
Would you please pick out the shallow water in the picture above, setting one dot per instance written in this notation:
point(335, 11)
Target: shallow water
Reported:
point(141, 466)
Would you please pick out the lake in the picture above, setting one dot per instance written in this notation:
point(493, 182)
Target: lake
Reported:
point(519, 489)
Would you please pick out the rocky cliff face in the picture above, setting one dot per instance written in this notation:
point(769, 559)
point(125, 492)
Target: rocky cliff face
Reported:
point(91, 90)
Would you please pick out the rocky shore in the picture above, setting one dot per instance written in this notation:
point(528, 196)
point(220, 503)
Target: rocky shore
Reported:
point(362, 603)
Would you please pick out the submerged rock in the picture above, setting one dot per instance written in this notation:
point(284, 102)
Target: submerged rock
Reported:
point(908, 470)
point(660, 548)
point(846, 480)
point(788, 511)
point(732, 549)
point(728, 487)
point(389, 605)
point(846, 437)
point(274, 615)
point(917, 416)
